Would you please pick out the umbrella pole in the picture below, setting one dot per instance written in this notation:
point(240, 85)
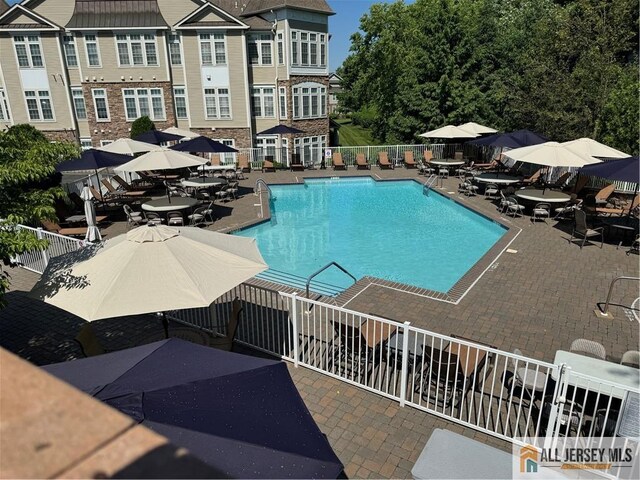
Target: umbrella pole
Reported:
point(165, 324)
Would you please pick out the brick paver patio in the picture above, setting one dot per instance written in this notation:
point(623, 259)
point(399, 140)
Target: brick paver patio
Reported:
point(538, 300)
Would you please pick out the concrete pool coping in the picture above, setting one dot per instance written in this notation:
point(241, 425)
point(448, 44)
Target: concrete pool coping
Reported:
point(454, 295)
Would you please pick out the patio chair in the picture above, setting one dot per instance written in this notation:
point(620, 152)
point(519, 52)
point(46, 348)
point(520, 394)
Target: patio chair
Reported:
point(409, 160)
point(443, 379)
point(336, 161)
point(134, 219)
point(53, 227)
point(296, 162)
point(232, 189)
point(635, 246)
point(491, 191)
point(625, 210)
point(513, 207)
point(243, 163)
point(383, 160)
point(502, 206)
point(353, 355)
point(153, 218)
point(268, 166)
point(580, 229)
point(226, 343)
point(631, 358)
point(361, 162)
point(443, 172)
point(467, 188)
point(200, 214)
point(560, 181)
point(203, 195)
point(175, 191)
point(569, 417)
point(175, 219)
point(88, 341)
point(588, 348)
point(127, 186)
point(541, 211)
point(530, 382)
point(223, 193)
point(568, 208)
point(119, 193)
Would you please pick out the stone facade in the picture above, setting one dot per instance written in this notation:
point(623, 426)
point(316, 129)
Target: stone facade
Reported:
point(242, 136)
point(61, 135)
point(118, 126)
point(311, 127)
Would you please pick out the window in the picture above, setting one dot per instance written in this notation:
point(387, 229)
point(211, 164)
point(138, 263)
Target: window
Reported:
point(262, 102)
point(78, 103)
point(100, 104)
point(260, 49)
point(4, 106)
point(86, 144)
point(309, 100)
point(213, 50)
point(282, 96)
point(39, 105)
point(280, 49)
point(93, 52)
point(136, 49)
point(227, 157)
point(217, 104)
point(28, 51)
point(180, 100)
point(310, 149)
point(70, 55)
point(104, 143)
point(267, 144)
point(308, 49)
point(175, 54)
point(139, 102)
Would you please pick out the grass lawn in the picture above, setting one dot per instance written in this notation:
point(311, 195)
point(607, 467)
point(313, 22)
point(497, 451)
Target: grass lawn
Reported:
point(354, 135)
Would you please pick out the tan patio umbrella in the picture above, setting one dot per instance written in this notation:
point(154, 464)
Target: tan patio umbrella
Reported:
point(149, 269)
point(449, 131)
point(187, 134)
point(549, 154)
point(162, 159)
point(128, 146)
point(587, 148)
point(476, 128)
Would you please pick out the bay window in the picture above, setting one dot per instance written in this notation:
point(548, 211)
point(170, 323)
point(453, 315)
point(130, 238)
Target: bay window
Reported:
point(309, 100)
point(308, 49)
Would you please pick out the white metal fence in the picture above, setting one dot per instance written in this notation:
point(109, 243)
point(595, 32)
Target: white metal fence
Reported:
point(37, 260)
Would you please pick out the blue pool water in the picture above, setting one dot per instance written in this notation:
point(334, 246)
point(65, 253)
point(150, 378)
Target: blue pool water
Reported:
point(389, 230)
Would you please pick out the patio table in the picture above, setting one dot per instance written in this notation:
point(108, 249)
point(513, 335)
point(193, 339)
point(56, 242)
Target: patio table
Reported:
point(204, 182)
point(447, 162)
point(540, 195)
point(218, 168)
point(169, 205)
point(497, 179)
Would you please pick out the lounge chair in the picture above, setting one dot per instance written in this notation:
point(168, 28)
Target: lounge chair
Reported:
point(581, 182)
point(117, 193)
point(353, 355)
point(243, 163)
point(268, 166)
point(561, 181)
point(409, 160)
point(541, 211)
point(53, 227)
point(226, 343)
point(127, 187)
point(361, 162)
point(533, 178)
point(383, 160)
point(581, 229)
point(589, 348)
point(296, 162)
point(604, 193)
point(619, 211)
point(443, 379)
point(337, 162)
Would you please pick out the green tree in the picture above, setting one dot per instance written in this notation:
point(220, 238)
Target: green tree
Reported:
point(141, 125)
point(27, 189)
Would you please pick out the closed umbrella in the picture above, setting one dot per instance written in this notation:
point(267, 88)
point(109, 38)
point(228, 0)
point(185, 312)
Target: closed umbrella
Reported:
point(449, 131)
point(128, 146)
point(157, 137)
point(587, 147)
point(149, 269)
point(549, 154)
point(476, 128)
point(93, 232)
point(183, 132)
point(241, 415)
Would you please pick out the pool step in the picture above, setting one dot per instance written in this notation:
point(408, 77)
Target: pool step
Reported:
point(296, 281)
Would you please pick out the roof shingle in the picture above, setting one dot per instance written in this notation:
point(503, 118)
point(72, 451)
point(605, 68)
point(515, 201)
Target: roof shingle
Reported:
point(116, 14)
point(260, 6)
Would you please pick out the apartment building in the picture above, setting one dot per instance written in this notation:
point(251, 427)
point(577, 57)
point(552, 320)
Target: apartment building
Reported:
point(84, 70)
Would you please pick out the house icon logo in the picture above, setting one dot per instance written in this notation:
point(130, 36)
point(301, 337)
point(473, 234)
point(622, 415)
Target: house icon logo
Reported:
point(528, 459)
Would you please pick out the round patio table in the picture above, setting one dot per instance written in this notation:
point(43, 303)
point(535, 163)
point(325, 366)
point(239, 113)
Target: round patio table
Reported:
point(497, 179)
point(164, 205)
point(204, 182)
point(447, 162)
point(539, 195)
point(218, 168)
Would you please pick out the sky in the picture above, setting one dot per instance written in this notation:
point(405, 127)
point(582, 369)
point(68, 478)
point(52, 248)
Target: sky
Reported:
point(341, 25)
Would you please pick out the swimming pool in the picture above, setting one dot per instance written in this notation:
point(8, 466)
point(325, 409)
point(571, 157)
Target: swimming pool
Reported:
point(390, 230)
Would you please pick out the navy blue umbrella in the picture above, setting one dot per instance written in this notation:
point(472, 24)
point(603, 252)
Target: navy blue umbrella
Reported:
point(242, 415)
point(93, 160)
point(157, 137)
point(280, 130)
point(623, 169)
point(203, 144)
point(520, 138)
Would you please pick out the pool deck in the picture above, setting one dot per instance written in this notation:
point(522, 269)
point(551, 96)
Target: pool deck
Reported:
point(538, 300)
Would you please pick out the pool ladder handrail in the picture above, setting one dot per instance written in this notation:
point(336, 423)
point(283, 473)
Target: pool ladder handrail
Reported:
point(261, 186)
point(433, 178)
point(328, 265)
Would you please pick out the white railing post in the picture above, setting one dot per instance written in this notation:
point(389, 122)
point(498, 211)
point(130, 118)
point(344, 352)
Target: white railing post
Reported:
point(45, 253)
point(559, 399)
point(405, 363)
point(294, 322)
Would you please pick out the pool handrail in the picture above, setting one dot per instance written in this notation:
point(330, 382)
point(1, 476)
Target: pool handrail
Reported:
point(328, 265)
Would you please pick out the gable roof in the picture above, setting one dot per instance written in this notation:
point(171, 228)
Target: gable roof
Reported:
point(260, 6)
point(235, 8)
point(18, 17)
point(107, 14)
point(210, 15)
